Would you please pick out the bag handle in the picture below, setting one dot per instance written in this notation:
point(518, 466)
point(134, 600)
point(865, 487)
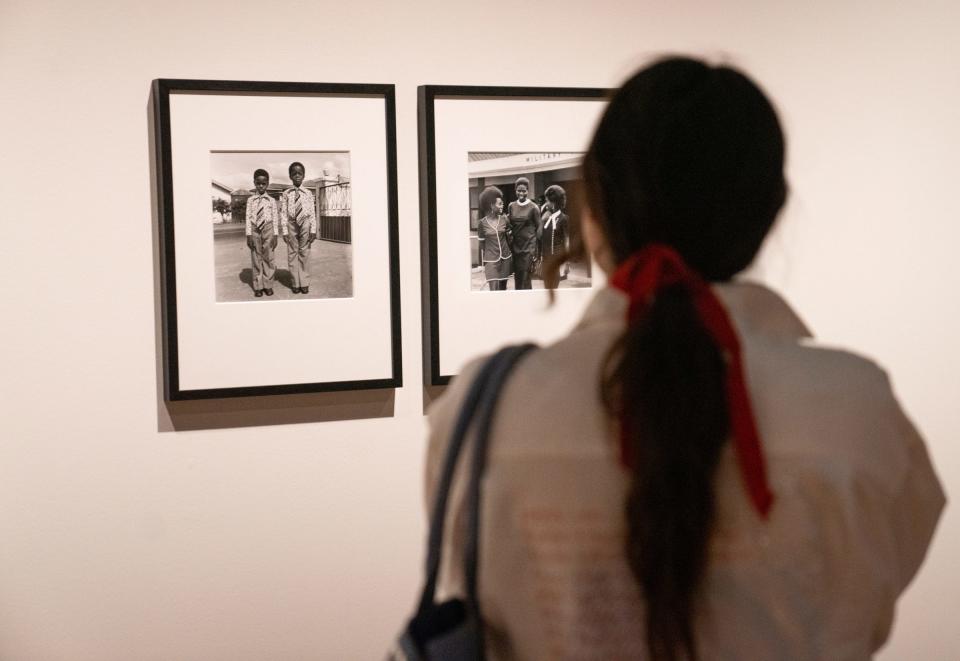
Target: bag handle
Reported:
point(480, 402)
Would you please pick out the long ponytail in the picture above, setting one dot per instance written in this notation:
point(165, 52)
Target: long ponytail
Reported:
point(665, 382)
point(690, 156)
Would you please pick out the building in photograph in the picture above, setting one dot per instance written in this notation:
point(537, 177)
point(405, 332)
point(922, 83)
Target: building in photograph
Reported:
point(220, 195)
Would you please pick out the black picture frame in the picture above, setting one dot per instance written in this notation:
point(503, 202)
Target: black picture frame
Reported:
point(427, 97)
point(162, 90)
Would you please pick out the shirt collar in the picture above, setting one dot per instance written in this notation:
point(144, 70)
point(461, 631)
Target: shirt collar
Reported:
point(753, 308)
point(553, 218)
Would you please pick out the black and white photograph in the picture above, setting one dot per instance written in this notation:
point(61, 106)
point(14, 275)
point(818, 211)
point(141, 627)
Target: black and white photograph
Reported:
point(521, 206)
point(276, 223)
point(501, 196)
point(281, 225)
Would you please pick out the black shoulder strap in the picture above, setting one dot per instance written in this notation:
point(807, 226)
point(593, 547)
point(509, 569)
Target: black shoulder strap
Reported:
point(479, 403)
point(484, 422)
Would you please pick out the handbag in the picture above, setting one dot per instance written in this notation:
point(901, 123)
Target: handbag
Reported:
point(453, 630)
point(536, 268)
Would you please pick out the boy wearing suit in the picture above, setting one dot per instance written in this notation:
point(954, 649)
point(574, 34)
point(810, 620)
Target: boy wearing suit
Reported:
point(298, 222)
point(261, 228)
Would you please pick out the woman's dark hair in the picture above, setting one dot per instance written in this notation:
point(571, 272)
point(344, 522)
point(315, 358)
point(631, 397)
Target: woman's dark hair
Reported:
point(488, 199)
point(522, 181)
point(689, 155)
point(557, 195)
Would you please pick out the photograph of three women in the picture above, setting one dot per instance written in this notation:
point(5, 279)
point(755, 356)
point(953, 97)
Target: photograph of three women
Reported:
point(521, 206)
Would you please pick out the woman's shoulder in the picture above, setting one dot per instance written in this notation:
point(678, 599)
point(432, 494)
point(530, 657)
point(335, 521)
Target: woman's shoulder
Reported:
point(551, 404)
point(831, 411)
point(811, 399)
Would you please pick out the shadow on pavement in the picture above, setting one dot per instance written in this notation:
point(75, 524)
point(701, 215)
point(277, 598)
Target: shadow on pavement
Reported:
point(283, 277)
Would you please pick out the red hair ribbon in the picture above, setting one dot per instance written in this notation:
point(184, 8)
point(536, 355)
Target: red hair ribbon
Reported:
point(641, 276)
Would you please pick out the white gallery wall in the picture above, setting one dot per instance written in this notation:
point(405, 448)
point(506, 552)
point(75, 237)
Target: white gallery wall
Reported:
point(131, 530)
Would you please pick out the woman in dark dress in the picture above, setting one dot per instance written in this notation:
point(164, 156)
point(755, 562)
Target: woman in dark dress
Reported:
point(493, 232)
point(524, 218)
point(554, 232)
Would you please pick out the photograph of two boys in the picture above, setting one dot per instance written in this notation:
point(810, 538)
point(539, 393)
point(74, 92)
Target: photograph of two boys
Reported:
point(281, 225)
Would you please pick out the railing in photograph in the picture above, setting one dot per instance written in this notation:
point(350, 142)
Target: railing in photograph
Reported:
point(335, 228)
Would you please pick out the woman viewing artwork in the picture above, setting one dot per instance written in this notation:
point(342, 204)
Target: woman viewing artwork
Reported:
point(524, 218)
point(493, 232)
point(687, 474)
point(554, 234)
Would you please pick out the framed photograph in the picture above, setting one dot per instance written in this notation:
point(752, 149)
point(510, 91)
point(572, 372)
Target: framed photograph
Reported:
point(500, 195)
point(277, 206)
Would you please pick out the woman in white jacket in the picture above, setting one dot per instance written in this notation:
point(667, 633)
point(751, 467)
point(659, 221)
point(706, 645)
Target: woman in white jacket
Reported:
point(687, 475)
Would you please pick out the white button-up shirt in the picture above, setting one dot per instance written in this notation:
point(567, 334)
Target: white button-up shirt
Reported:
point(856, 503)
